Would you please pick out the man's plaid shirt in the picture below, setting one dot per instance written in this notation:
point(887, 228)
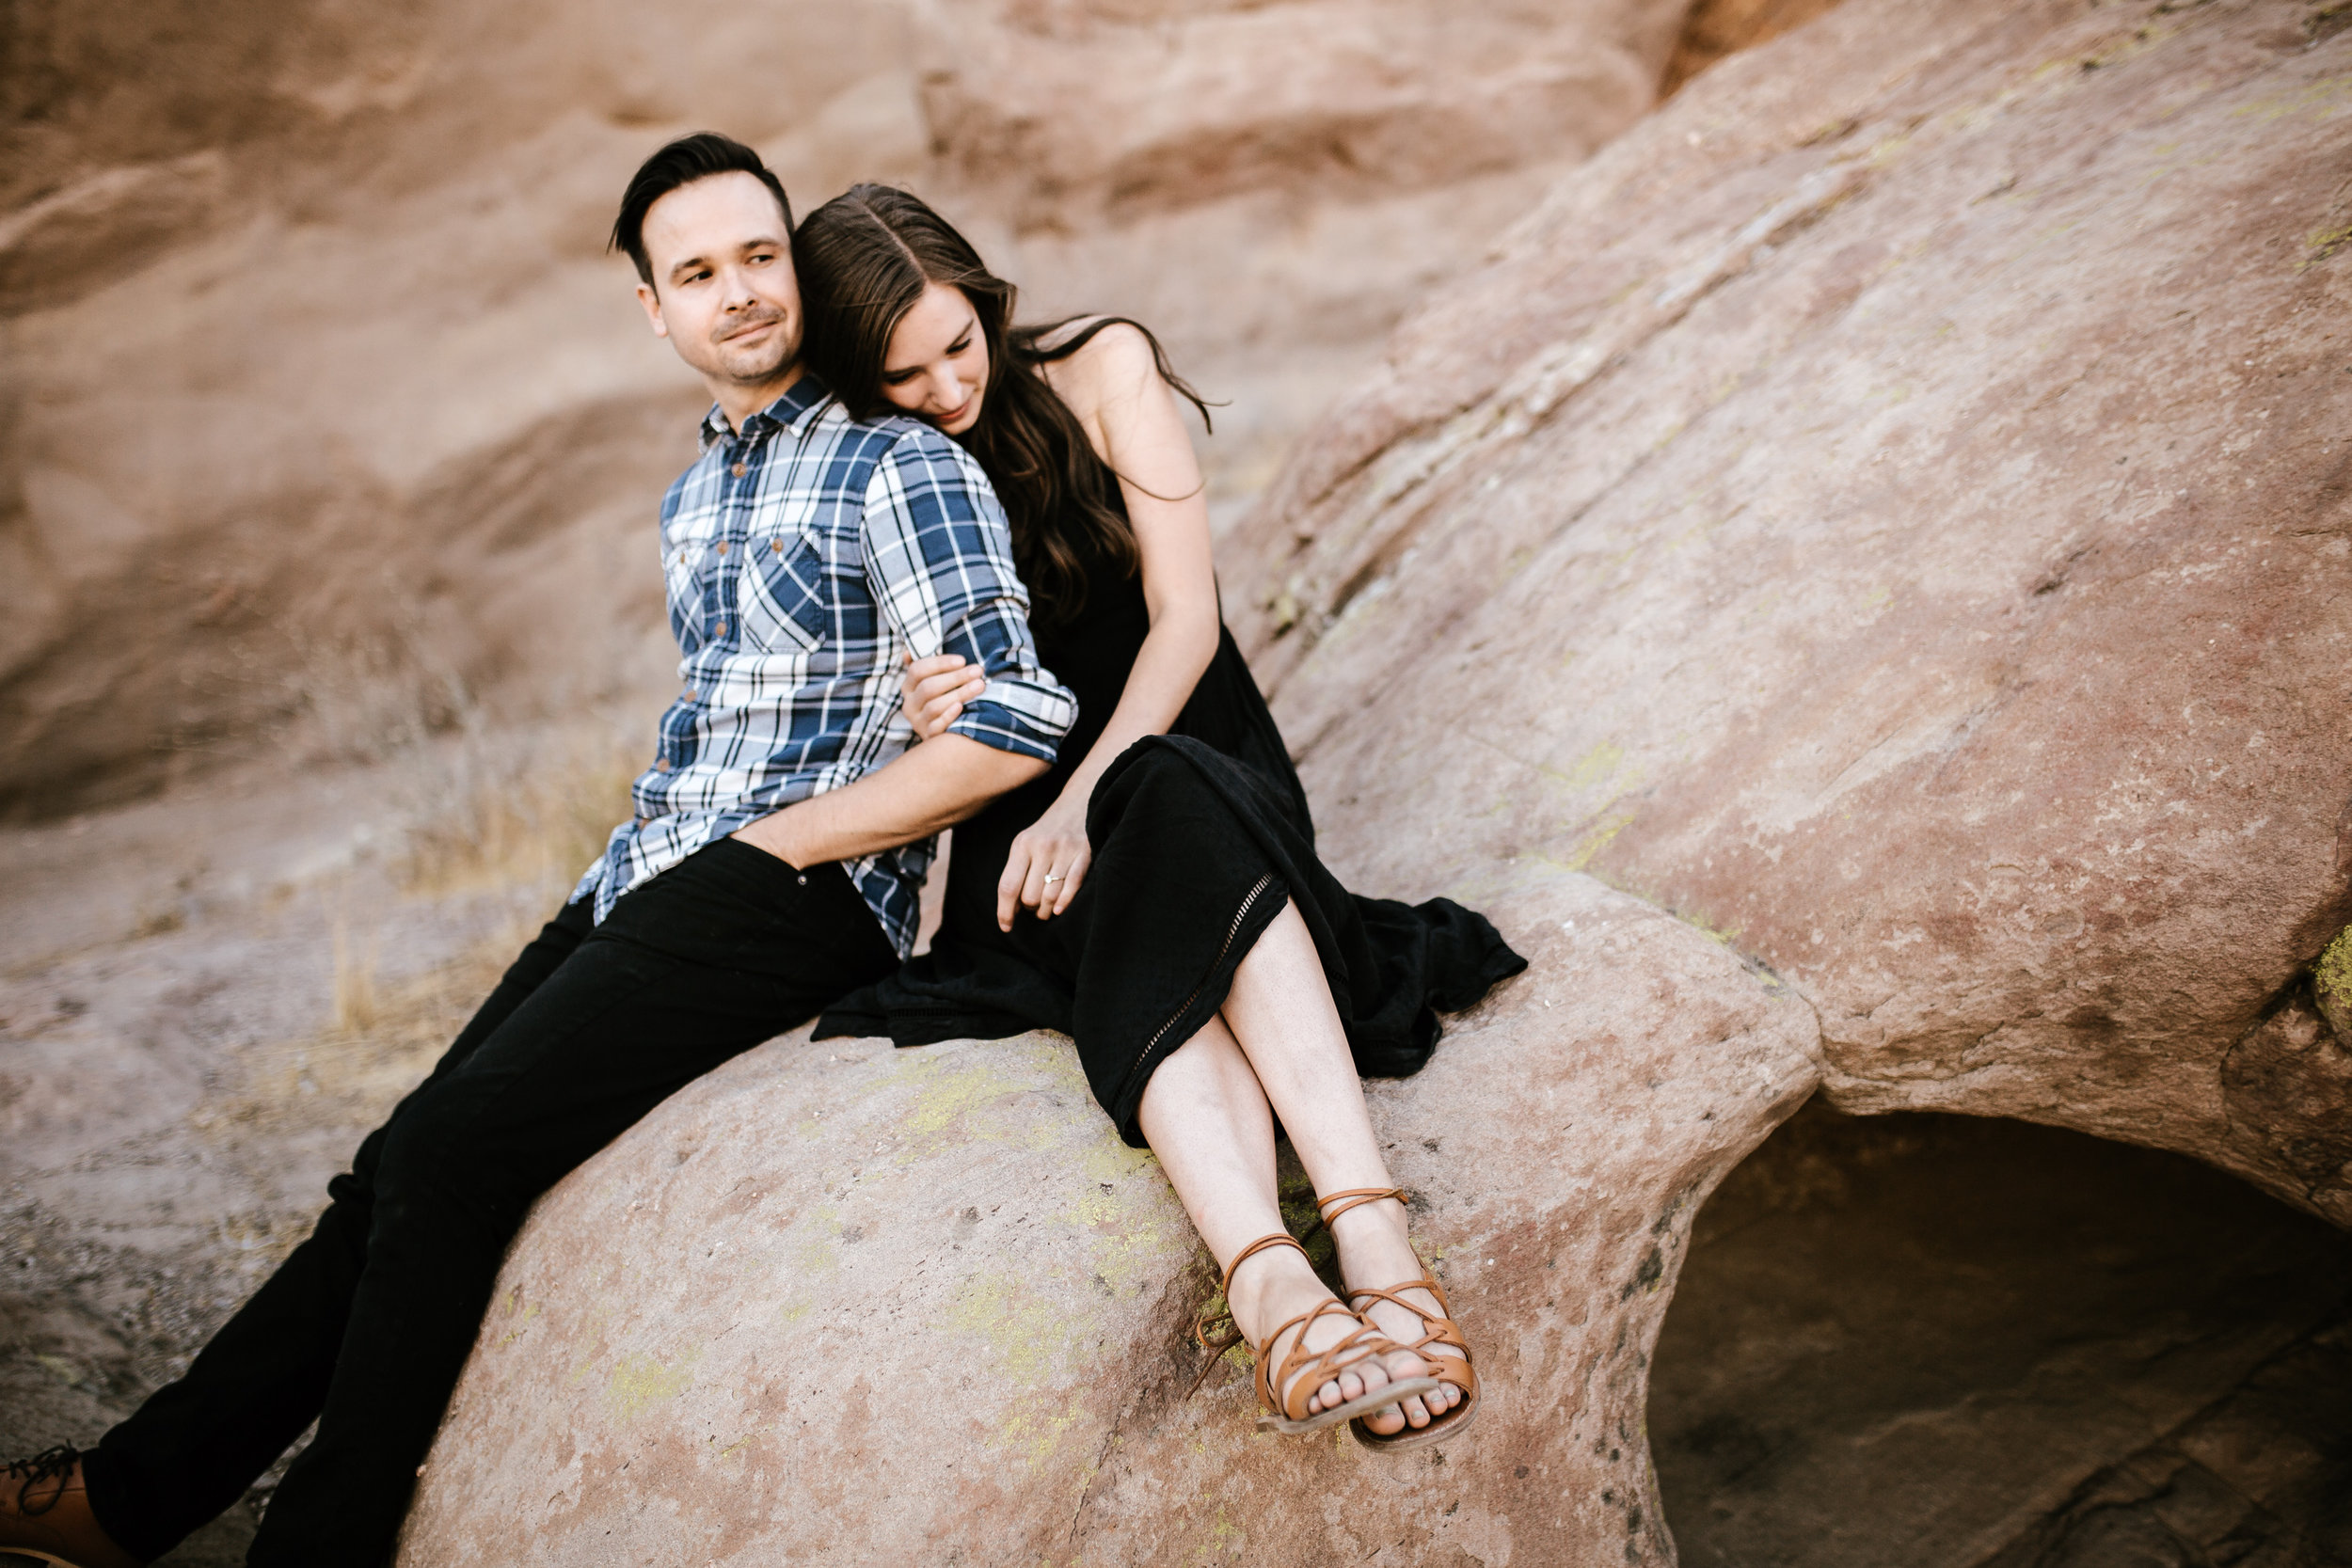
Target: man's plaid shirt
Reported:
point(804, 554)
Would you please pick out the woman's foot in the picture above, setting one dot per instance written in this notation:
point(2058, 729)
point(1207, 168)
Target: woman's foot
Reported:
point(1376, 1254)
point(1277, 1284)
point(43, 1506)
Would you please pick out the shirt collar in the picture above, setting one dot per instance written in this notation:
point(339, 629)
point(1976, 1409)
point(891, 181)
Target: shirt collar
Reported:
point(787, 412)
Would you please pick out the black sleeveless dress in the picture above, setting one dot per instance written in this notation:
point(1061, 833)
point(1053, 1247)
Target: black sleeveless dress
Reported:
point(1198, 837)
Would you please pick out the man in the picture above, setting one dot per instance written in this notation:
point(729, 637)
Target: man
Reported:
point(773, 864)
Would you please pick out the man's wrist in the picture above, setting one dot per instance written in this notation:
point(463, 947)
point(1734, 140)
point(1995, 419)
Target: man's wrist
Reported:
point(774, 834)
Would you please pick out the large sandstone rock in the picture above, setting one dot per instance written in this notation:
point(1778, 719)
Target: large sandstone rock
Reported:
point(840, 1304)
point(1889, 508)
point(1892, 507)
point(328, 422)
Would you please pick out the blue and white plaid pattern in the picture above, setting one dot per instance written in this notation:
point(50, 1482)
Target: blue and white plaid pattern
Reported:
point(804, 554)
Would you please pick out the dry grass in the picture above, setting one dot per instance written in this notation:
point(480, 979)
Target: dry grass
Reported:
point(508, 813)
point(492, 810)
point(356, 1007)
point(383, 1040)
point(493, 800)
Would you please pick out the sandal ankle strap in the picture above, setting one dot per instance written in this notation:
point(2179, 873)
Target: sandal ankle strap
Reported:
point(1354, 1197)
point(1217, 1332)
point(1280, 1238)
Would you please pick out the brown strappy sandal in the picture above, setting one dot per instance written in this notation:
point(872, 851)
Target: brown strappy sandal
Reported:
point(1302, 1370)
point(1438, 1328)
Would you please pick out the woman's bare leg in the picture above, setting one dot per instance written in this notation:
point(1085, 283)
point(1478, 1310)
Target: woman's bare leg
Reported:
point(1206, 1118)
point(1281, 1013)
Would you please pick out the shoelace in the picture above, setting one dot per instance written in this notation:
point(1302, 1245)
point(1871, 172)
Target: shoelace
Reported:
point(48, 1464)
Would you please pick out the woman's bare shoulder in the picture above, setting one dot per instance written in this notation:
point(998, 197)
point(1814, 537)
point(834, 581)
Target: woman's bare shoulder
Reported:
point(1114, 359)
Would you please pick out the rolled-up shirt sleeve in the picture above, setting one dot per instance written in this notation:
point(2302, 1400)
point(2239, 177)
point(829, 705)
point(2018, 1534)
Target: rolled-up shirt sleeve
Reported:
point(939, 557)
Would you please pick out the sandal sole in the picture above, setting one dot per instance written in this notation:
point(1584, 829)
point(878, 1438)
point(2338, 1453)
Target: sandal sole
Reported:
point(1453, 1425)
point(1353, 1410)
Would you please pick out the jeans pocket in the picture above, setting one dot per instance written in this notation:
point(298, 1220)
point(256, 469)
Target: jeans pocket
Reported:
point(735, 906)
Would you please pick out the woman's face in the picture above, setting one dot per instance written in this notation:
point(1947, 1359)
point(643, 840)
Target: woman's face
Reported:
point(937, 367)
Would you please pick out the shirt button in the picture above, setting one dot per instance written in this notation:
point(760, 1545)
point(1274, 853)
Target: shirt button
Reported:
point(723, 547)
point(737, 470)
point(777, 544)
point(721, 629)
point(661, 765)
point(687, 696)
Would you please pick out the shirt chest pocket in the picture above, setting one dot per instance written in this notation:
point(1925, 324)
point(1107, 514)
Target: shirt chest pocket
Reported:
point(687, 574)
point(787, 601)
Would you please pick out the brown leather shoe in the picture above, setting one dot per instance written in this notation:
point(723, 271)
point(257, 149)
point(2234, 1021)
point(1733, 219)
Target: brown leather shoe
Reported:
point(45, 1516)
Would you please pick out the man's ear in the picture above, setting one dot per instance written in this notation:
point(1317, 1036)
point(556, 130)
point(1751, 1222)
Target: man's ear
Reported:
point(652, 302)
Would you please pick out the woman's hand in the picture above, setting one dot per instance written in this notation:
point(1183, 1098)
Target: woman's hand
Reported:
point(1047, 862)
point(935, 690)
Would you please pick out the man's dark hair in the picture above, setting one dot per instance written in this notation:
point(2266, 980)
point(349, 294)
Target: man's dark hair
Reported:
point(683, 162)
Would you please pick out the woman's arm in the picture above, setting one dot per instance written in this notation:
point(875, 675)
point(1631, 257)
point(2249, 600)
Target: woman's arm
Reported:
point(1132, 416)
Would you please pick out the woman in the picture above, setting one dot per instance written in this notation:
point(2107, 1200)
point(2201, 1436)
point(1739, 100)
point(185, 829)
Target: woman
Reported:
point(1156, 896)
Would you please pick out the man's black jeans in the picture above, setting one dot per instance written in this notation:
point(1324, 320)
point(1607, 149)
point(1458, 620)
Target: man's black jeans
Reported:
point(367, 1325)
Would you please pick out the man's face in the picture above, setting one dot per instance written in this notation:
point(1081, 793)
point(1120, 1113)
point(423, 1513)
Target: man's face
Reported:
point(723, 291)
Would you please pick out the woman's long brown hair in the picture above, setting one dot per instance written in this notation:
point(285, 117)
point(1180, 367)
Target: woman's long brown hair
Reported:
point(863, 259)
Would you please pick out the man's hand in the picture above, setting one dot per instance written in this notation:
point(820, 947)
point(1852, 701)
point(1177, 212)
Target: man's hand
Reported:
point(931, 786)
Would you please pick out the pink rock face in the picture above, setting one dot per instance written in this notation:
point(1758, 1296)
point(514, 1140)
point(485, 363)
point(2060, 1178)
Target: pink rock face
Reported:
point(1115, 109)
point(841, 1304)
point(1892, 507)
point(384, 431)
